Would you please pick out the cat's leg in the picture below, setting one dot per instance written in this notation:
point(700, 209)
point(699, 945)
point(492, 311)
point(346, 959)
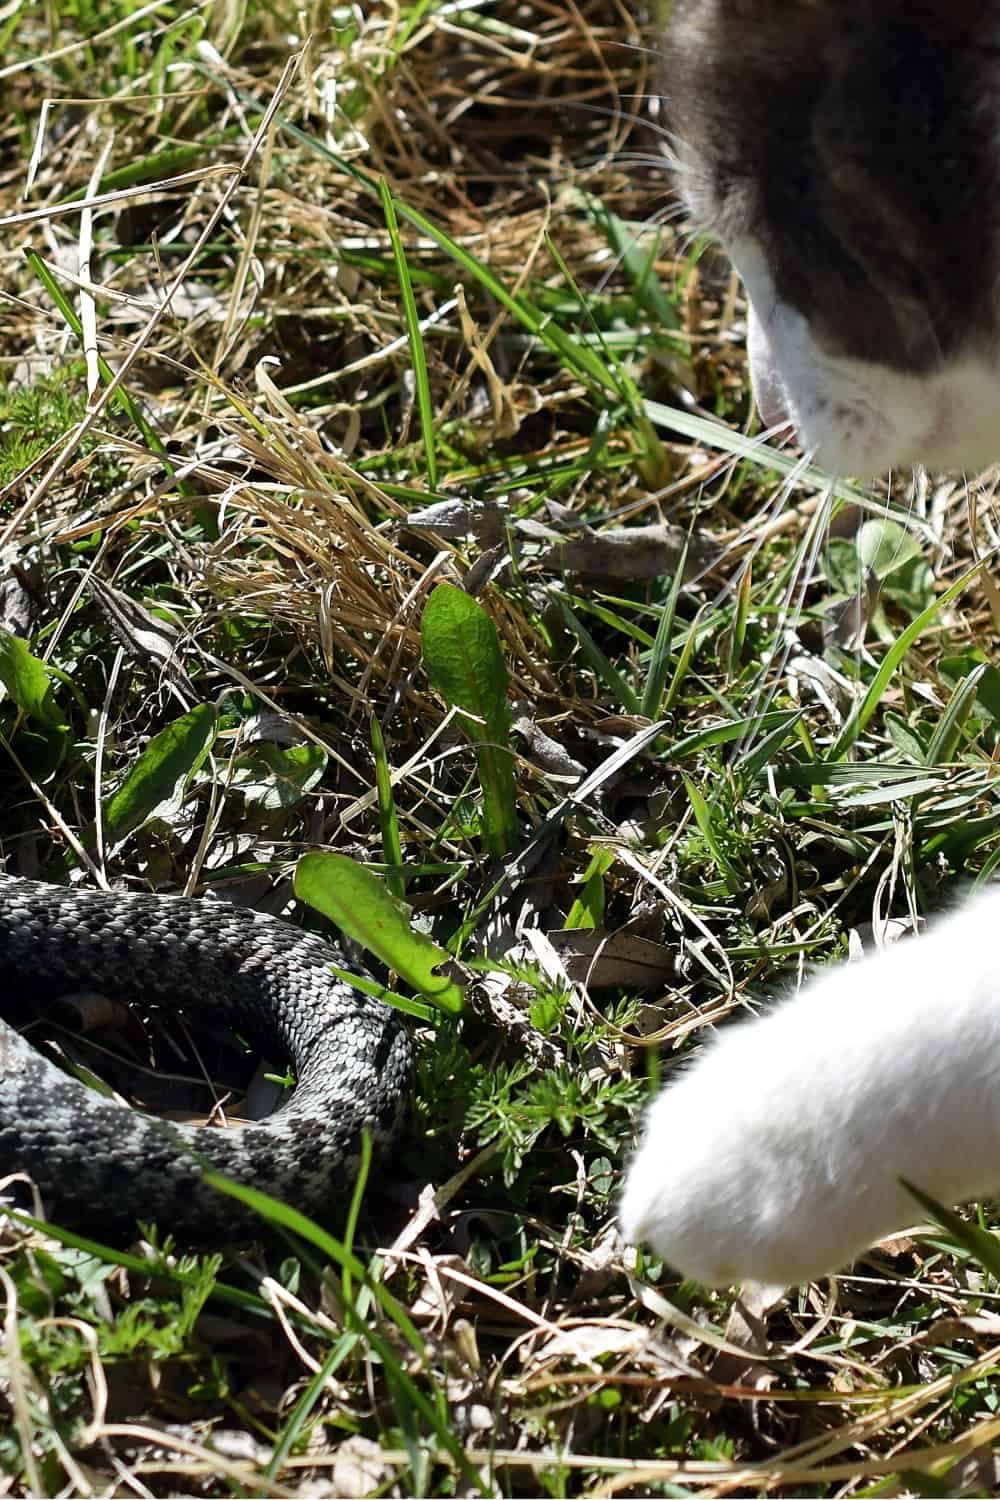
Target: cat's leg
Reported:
point(776, 1156)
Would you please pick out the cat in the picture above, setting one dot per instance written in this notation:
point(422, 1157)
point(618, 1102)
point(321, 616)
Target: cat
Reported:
point(846, 155)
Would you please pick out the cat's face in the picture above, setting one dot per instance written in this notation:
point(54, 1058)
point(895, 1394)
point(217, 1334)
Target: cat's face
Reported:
point(847, 154)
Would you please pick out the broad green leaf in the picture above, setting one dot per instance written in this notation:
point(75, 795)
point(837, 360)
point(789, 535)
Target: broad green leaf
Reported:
point(273, 776)
point(884, 546)
point(161, 772)
point(27, 680)
point(463, 660)
point(360, 905)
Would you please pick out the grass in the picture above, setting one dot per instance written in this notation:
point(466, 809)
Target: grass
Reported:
point(294, 332)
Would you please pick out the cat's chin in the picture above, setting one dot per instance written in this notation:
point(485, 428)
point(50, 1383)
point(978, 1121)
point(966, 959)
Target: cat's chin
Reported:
point(857, 417)
point(863, 419)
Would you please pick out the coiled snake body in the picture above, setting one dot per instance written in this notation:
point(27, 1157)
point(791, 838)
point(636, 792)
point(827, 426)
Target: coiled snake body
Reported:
point(101, 1166)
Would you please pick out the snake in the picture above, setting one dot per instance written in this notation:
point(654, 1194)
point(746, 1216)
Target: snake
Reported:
point(98, 1164)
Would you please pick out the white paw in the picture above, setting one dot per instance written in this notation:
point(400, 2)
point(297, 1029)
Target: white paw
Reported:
point(776, 1156)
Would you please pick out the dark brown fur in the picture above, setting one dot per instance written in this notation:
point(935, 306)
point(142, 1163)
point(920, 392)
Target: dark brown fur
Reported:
point(858, 141)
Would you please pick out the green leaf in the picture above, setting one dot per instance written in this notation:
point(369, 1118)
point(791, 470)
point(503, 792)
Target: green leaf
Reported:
point(722, 734)
point(464, 662)
point(27, 680)
point(360, 905)
point(574, 354)
point(905, 739)
point(69, 314)
point(161, 772)
point(366, 986)
point(274, 777)
point(738, 635)
point(638, 264)
point(884, 546)
point(463, 659)
point(588, 908)
point(899, 791)
point(683, 663)
point(764, 752)
point(282, 1215)
point(42, 741)
point(954, 668)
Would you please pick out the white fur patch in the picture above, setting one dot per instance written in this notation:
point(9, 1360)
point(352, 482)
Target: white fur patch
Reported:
point(776, 1156)
point(857, 417)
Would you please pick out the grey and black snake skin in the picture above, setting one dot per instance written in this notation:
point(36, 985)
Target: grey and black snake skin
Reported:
point(100, 1166)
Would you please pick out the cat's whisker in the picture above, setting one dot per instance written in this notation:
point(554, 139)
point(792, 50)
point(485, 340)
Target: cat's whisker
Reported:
point(672, 143)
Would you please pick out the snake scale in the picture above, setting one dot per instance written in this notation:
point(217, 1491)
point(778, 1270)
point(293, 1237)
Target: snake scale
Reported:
point(100, 1166)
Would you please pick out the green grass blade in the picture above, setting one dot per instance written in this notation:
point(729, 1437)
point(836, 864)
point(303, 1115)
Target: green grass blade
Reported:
point(683, 663)
point(388, 818)
point(342, 1348)
point(659, 662)
point(598, 661)
point(738, 634)
point(574, 355)
point(165, 1269)
point(763, 753)
point(121, 396)
point(638, 264)
point(944, 740)
point(434, 1413)
point(404, 1003)
point(870, 702)
point(706, 824)
point(462, 658)
point(425, 401)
